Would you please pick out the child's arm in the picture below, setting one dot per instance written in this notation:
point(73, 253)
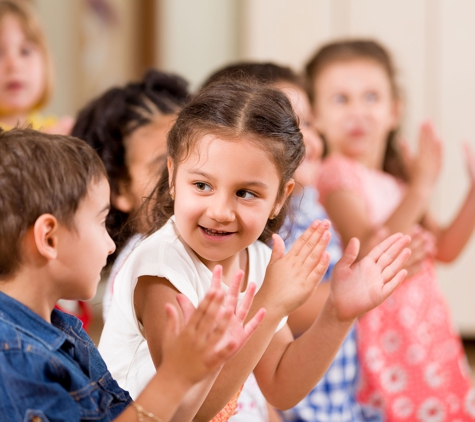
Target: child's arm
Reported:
point(152, 293)
point(194, 352)
point(452, 239)
point(348, 210)
point(284, 373)
point(289, 370)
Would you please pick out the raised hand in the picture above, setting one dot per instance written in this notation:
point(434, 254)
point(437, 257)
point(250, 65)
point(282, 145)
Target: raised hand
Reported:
point(292, 278)
point(359, 287)
point(213, 332)
point(422, 246)
point(470, 160)
point(426, 165)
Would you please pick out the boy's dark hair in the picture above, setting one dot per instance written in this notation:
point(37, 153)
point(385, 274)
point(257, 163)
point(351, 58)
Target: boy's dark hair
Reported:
point(267, 73)
point(347, 50)
point(234, 110)
point(107, 121)
point(40, 174)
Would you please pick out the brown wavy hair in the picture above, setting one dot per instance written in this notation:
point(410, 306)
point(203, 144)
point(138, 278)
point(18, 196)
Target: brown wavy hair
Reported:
point(233, 110)
point(40, 174)
point(347, 50)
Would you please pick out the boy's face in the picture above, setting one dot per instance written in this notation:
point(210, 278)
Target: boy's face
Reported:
point(83, 249)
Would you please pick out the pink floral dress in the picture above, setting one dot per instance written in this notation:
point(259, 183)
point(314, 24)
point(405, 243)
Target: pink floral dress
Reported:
point(411, 359)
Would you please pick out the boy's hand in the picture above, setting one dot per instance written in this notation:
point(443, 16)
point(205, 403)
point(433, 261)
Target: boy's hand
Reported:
point(292, 278)
point(359, 287)
point(212, 333)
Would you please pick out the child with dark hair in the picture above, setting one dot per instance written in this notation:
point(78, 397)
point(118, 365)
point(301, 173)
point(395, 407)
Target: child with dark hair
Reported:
point(231, 156)
point(53, 245)
point(127, 126)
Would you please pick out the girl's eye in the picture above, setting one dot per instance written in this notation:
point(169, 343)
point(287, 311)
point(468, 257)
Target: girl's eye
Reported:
point(339, 99)
point(26, 51)
point(371, 97)
point(245, 194)
point(202, 186)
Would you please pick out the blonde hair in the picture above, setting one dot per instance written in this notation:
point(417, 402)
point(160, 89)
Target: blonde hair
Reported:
point(34, 33)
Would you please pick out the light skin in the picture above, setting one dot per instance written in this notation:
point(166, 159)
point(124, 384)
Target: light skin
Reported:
point(144, 149)
point(225, 191)
point(355, 109)
point(422, 242)
point(65, 261)
point(22, 72)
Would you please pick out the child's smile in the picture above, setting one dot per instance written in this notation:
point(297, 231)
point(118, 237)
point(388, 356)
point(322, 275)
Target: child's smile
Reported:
point(225, 192)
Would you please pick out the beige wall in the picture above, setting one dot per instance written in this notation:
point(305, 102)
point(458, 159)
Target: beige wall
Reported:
point(431, 41)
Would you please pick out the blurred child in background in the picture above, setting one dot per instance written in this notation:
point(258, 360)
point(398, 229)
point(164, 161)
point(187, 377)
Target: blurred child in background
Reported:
point(26, 71)
point(412, 360)
point(127, 126)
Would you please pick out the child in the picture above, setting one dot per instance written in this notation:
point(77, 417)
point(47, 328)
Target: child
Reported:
point(26, 74)
point(127, 126)
point(232, 153)
point(53, 244)
point(413, 364)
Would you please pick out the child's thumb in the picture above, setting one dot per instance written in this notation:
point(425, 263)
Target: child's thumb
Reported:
point(278, 250)
point(173, 322)
point(351, 252)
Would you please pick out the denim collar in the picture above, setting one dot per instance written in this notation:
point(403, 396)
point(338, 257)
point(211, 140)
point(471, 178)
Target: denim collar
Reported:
point(52, 336)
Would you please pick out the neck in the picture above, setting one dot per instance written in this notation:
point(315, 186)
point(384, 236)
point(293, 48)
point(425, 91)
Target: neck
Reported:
point(239, 261)
point(13, 120)
point(32, 291)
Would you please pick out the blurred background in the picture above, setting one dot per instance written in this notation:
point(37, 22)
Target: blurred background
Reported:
point(100, 43)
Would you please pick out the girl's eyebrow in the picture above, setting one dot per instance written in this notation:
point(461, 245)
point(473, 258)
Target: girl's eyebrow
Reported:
point(250, 183)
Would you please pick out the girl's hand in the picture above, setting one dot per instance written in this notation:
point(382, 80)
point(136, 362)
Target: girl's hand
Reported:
point(359, 287)
point(422, 246)
point(212, 333)
point(426, 166)
point(470, 159)
point(291, 279)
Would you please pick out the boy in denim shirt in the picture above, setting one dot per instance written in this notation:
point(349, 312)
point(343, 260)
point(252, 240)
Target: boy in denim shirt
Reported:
point(54, 198)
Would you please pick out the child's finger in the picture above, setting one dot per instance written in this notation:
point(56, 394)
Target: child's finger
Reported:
point(211, 296)
point(207, 316)
point(173, 321)
point(313, 246)
point(253, 323)
point(233, 292)
point(304, 237)
point(314, 256)
point(392, 269)
point(392, 284)
point(390, 254)
point(186, 306)
point(350, 253)
point(378, 250)
point(246, 302)
point(322, 266)
point(278, 250)
point(217, 276)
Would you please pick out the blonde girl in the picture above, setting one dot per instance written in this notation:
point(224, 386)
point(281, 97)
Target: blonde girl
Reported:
point(26, 72)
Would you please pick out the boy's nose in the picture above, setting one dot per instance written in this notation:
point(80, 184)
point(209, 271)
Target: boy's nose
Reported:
point(111, 245)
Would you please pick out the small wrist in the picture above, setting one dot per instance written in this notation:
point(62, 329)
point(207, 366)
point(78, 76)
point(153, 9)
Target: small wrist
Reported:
point(175, 382)
point(331, 314)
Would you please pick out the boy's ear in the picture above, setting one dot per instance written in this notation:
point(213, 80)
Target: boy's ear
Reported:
point(287, 190)
point(123, 201)
point(45, 234)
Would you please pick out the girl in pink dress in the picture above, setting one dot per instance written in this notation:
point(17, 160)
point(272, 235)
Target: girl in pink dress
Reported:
point(412, 360)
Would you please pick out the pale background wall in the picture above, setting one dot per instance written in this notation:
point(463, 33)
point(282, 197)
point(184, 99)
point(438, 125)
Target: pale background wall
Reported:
point(430, 39)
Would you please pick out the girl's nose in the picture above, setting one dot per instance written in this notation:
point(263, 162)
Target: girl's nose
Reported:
point(221, 209)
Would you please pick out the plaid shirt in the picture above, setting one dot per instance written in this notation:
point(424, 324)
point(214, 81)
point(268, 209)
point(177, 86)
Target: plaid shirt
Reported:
point(333, 398)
